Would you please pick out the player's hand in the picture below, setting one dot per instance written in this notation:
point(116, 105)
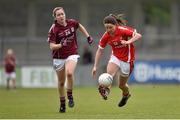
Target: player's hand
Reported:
point(90, 40)
point(62, 43)
point(12, 62)
point(124, 42)
point(94, 72)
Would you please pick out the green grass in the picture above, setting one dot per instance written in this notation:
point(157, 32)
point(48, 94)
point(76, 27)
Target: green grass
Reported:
point(147, 101)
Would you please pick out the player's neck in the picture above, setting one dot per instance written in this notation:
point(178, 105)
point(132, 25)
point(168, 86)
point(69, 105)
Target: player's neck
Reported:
point(63, 23)
point(111, 34)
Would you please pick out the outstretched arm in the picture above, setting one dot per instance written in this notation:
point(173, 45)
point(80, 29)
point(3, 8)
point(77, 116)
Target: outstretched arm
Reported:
point(97, 59)
point(84, 31)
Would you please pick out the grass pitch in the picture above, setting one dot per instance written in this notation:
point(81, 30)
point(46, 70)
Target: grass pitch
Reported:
point(147, 101)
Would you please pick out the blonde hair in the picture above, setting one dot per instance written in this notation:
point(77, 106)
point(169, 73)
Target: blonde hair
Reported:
point(55, 9)
point(10, 51)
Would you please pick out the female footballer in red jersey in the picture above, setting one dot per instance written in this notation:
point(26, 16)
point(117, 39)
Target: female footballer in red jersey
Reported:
point(120, 38)
point(63, 43)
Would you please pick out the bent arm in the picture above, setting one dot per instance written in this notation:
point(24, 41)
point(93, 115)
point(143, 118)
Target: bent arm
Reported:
point(54, 46)
point(136, 36)
point(83, 30)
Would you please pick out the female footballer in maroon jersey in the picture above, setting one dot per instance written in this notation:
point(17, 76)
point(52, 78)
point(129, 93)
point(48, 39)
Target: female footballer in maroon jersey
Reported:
point(121, 39)
point(63, 43)
point(9, 65)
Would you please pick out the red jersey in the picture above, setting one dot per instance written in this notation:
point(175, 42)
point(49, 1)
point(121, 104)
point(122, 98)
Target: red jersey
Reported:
point(9, 63)
point(65, 34)
point(122, 52)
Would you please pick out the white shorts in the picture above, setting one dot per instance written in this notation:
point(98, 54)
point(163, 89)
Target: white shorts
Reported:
point(124, 66)
point(11, 75)
point(58, 64)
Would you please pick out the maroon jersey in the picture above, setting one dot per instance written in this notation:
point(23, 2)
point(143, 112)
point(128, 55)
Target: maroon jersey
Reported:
point(65, 34)
point(9, 63)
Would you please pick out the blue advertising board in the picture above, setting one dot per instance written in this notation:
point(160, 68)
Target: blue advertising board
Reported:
point(161, 71)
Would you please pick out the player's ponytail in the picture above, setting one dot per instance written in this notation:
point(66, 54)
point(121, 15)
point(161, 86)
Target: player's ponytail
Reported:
point(119, 19)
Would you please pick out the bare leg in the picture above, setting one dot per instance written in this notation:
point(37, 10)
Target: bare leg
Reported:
point(61, 81)
point(123, 85)
point(8, 84)
point(111, 69)
point(70, 68)
point(125, 90)
point(14, 83)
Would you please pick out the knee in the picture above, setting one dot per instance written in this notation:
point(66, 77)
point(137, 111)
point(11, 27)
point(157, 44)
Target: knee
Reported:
point(122, 86)
point(61, 84)
point(69, 74)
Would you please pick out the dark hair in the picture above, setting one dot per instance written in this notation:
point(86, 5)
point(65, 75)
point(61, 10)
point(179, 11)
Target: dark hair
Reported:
point(110, 19)
point(115, 19)
point(55, 9)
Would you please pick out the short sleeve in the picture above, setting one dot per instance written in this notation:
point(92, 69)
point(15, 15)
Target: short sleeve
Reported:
point(103, 41)
point(127, 31)
point(52, 35)
point(75, 23)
